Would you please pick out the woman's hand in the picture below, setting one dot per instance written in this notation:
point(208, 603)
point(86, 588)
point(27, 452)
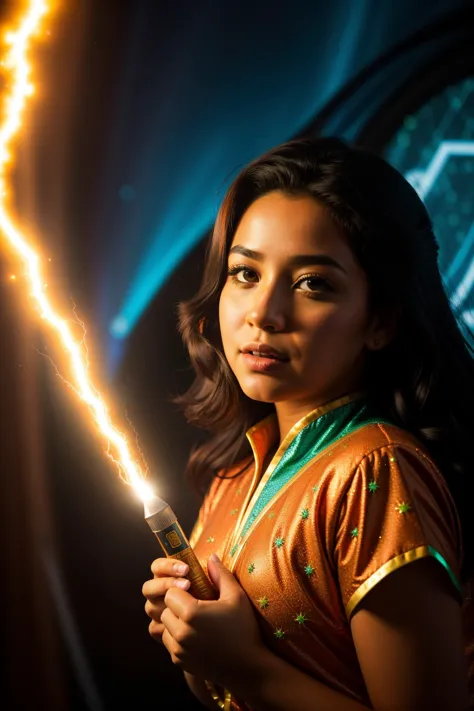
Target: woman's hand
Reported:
point(218, 640)
point(167, 573)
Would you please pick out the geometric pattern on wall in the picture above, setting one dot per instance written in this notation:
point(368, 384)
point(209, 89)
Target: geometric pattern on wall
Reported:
point(434, 149)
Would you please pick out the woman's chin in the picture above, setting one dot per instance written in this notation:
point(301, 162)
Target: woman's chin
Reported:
point(264, 393)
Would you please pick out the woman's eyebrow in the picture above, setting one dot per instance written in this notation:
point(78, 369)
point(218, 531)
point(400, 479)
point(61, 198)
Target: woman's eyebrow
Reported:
point(299, 260)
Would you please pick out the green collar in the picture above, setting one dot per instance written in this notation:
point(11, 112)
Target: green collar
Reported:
point(315, 432)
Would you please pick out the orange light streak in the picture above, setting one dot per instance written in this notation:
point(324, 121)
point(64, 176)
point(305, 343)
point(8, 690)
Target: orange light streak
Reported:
point(18, 69)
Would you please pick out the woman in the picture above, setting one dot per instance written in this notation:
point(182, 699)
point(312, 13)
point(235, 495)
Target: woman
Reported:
point(337, 387)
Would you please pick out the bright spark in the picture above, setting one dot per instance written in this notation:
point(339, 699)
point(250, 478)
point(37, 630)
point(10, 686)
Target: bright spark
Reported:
point(18, 67)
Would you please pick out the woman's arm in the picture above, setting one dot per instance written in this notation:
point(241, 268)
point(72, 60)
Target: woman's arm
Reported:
point(409, 640)
point(277, 685)
point(408, 636)
point(280, 687)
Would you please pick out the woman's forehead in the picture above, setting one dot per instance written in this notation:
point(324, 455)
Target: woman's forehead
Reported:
point(287, 226)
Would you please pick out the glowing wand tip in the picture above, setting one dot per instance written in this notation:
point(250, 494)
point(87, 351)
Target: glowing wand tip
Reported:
point(154, 505)
point(143, 490)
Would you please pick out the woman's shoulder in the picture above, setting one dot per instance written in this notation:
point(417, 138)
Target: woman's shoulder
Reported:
point(380, 450)
point(391, 457)
point(377, 437)
point(392, 506)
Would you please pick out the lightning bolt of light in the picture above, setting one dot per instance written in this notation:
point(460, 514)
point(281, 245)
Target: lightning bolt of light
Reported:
point(18, 69)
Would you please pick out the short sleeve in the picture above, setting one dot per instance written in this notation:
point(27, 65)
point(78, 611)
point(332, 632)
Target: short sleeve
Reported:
point(395, 509)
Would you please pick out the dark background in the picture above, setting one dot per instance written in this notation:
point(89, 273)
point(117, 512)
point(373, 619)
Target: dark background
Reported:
point(144, 110)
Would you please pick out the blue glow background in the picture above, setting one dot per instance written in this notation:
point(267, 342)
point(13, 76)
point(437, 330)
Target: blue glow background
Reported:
point(203, 90)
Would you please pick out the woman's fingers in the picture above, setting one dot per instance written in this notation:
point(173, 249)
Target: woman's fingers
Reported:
point(154, 591)
point(156, 630)
point(154, 610)
point(162, 567)
point(159, 586)
point(167, 573)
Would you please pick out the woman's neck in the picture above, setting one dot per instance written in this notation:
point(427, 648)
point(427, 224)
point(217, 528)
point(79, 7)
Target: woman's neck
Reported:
point(290, 412)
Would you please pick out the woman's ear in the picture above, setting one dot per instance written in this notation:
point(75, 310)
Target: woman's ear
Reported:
point(383, 328)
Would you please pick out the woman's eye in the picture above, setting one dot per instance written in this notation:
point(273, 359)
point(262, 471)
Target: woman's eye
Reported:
point(313, 283)
point(242, 275)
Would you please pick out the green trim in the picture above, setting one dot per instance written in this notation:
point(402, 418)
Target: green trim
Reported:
point(395, 564)
point(434, 553)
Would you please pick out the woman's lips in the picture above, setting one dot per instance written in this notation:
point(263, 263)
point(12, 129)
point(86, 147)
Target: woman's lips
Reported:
point(262, 364)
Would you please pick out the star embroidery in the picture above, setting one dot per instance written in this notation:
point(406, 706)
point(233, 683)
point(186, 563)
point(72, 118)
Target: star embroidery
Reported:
point(309, 570)
point(355, 532)
point(211, 539)
point(233, 550)
point(315, 488)
point(305, 514)
point(251, 568)
point(301, 618)
point(239, 491)
point(233, 512)
point(373, 486)
point(279, 633)
point(271, 515)
point(393, 459)
point(403, 507)
point(279, 542)
point(263, 602)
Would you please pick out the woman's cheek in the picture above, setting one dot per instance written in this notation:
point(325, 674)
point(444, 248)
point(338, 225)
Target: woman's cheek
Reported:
point(323, 328)
point(326, 340)
point(230, 312)
point(227, 325)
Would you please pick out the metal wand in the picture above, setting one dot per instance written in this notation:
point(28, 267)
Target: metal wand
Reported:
point(163, 522)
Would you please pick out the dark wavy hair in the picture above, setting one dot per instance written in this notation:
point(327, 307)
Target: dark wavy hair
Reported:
point(423, 380)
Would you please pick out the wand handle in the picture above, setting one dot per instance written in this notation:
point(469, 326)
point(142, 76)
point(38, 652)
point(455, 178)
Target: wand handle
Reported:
point(163, 522)
point(175, 544)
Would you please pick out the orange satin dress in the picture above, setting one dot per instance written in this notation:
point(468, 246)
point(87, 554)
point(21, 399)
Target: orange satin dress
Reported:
point(346, 500)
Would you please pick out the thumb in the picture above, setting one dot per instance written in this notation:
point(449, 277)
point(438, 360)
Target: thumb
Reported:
point(221, 576)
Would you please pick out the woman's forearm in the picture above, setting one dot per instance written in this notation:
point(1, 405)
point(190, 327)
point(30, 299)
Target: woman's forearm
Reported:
point(276, 685)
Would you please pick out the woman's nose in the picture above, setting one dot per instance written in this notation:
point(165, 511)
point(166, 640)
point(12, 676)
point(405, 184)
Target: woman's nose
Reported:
point(267, 311)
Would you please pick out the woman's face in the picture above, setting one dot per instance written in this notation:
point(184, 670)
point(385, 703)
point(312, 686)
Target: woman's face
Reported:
point(295, 287)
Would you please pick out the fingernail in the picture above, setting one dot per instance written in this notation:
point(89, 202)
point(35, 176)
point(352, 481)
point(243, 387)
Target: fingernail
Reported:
point(214, 558)
point(184, 584)
point(181, 568)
